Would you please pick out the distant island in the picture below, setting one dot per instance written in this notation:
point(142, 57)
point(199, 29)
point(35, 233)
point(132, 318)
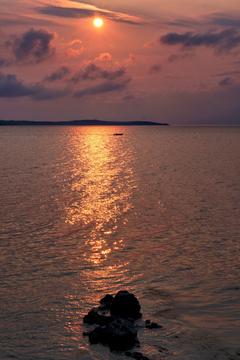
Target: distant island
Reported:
point(77, 123)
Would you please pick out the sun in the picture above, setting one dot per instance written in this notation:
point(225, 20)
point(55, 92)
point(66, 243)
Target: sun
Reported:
point(98, 22)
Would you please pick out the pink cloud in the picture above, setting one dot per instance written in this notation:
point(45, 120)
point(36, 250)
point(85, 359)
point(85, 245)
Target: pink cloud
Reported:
point(72, 52)
point(130, 60)
point(104, 56)
point(149, 44)
point(76, 41)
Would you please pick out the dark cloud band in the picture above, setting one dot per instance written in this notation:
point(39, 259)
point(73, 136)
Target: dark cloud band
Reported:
point(65, 12)
point(102, 88)
point(222, 42)
point(225, 20)
point(11, 87)
point(74, 12)
point(59, 74)
point(93, 72)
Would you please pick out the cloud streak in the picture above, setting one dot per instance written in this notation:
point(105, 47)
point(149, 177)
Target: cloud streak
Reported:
point(93, 72)
point(235, 72)
point(224, 20)
point(222, 42)
point(59, 74)
point(175, 57)
point(182, 23)
point(75, 9)
point(102, 88)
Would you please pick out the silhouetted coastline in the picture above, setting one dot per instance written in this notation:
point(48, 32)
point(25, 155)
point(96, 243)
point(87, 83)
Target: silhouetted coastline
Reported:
point(77, 123)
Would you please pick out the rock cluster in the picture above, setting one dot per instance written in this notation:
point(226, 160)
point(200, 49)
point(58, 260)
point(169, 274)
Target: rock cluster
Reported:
point(118, 330)
point(120, 334)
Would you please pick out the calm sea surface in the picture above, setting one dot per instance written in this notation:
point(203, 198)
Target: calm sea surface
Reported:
point(84, 213)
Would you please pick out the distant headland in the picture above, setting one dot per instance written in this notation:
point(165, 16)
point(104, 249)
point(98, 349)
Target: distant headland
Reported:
point(77, 123)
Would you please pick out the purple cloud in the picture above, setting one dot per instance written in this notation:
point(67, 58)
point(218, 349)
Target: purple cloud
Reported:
point(5, 62)
point(102, 88)
point(93, 72)
point(175, 57)
point(129, 97)
point(154, 68)
point(226, 82)
point(224, 20)
point(222, 42)
point(32, 46)
point(11, 87)
point(59, 74)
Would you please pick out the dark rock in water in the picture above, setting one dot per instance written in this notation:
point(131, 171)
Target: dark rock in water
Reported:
point(153, 325)
point(105, 320)
point(125, 305)
point(136, 355)
point(96, 336)
point(120, 334)
point(94, 318)
point(103, 308)
point(107, 301)
point(85, 333)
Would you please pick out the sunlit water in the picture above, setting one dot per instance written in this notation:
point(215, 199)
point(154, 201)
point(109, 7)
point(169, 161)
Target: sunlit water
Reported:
point(84, 213)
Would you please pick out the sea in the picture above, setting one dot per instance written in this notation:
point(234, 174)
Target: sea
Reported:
point(84, 213)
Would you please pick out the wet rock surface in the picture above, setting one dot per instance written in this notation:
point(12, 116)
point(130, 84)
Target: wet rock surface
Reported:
point(152, 325)
point(125, 305)
point(118, 330)
point(107, 301)
point(118, 335)
point(93, 317)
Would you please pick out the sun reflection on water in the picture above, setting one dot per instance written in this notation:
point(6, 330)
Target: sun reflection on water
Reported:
point(101, 184)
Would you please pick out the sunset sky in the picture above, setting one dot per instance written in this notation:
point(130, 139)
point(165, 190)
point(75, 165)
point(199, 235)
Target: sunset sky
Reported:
point(165, 61)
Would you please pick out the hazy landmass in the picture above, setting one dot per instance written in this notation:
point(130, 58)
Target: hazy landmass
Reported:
point(76, 122)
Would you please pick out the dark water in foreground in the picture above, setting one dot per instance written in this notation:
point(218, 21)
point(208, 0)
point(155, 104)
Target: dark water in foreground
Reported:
point(84, 213)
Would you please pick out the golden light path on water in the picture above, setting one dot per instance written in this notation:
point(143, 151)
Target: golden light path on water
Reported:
point(99, 166)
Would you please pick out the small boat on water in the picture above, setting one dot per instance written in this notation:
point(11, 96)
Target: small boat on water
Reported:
point(117, 134)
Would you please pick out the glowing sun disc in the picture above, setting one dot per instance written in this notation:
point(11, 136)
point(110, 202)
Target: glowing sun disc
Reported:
point(98, 22)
